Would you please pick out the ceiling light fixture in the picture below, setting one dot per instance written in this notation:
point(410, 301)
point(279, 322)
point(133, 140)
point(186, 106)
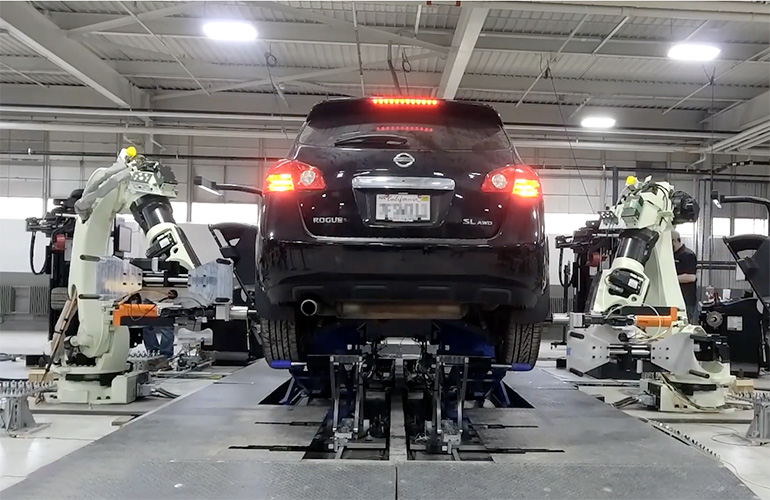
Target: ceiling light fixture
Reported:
point(230, 31)
point(598, 122)
point(693, 52)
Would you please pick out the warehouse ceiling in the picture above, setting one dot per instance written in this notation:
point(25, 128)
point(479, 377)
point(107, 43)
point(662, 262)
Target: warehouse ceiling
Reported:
point(543, 65)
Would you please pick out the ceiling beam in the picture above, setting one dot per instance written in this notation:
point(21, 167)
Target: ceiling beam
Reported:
point(39, 33)
point(128, 20)
point(273, 80)
point(238, 74)
point(316, 33)
point(744, 115)
point(760, 55)
point(464, 40)
point(757, 12)
point(349, 27)
point(611, 34)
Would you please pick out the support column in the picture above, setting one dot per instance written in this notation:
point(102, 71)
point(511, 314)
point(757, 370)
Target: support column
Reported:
point(190, 176)
point(46, 171)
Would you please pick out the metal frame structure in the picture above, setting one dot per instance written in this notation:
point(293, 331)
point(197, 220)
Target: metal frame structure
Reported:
point(600, 58)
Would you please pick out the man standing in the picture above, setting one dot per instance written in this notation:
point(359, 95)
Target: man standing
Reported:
point(686, 263)
point(166, 345)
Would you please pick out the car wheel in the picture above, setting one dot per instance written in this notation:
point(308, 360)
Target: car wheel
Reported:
point(519, 345)
point(279, 340)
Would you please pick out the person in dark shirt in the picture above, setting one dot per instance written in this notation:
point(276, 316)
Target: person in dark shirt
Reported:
point(686, 263)
point(150, 333)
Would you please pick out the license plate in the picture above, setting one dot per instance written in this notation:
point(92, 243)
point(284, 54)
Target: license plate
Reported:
point(403, 207)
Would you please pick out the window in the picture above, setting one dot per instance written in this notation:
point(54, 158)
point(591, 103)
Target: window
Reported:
point(720, 226)
point(212, 213)
point(180, 211)
point(179, 208)
point(750, 226)
point(20, 208)
point(563, 224)
point(686, 230)
point(451, 126)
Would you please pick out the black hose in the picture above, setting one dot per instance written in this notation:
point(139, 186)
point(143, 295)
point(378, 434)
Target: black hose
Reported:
point(561, 261)
point(32, 256)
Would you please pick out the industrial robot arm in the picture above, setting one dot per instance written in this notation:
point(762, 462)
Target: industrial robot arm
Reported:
point(643, 273)
point(146, 188)
point(637, 315)
point(99, 283)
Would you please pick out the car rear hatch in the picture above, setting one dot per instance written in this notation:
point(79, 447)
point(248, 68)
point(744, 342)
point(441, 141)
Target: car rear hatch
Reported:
point(404, 170)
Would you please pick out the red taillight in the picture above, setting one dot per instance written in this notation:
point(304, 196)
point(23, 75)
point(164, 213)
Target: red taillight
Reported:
point(518, 180)
point(291, 175)
point(403, 101)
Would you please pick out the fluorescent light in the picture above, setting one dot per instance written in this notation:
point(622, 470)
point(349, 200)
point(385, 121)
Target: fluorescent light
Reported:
point(231, 31)
point(598, 122)
point(693, 52)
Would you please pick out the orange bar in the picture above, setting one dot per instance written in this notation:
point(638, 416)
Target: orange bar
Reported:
point(657, 321)
point(135, 311)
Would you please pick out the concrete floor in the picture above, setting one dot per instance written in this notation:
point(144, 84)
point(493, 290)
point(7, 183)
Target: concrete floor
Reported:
point(66, 433)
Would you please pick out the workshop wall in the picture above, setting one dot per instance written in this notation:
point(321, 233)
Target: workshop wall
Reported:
point(38, 166)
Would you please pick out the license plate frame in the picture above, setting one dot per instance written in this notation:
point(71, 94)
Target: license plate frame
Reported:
point(402, 208)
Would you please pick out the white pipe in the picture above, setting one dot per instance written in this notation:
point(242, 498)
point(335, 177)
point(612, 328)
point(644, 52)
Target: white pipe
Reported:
point(619, 146)
point(738, 138)
point(754, 142)
point(631, 132)
point(44, 110)
point(606, 146)
point(116, 129)
point(186, 115)
point(269, 134)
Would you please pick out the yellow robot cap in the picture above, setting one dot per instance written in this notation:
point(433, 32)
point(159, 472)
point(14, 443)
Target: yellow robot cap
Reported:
point(630, 180)
point(131, 151)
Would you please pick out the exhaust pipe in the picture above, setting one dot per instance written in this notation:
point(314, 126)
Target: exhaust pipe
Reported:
point(309, 307)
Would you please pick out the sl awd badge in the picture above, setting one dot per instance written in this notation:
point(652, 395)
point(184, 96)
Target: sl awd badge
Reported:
point(403, 160)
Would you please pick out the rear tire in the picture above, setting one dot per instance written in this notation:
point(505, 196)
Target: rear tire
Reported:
point(279, 340)
point(519, 344)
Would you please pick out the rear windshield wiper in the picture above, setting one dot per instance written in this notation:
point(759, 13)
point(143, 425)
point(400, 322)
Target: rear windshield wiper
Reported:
point(381, 140)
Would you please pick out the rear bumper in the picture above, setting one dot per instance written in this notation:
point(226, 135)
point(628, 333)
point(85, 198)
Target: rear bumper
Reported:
point(510, 269)
point(452, 273)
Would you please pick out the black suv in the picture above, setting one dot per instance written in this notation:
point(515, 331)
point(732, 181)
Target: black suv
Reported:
point(402, 217)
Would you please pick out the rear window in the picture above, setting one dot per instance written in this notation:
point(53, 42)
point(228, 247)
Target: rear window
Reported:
point(447, 127)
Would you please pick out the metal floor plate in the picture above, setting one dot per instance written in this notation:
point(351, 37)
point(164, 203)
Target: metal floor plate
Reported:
point(183, 451)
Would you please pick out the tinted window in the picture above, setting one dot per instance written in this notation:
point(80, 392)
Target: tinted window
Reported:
point(423, 129)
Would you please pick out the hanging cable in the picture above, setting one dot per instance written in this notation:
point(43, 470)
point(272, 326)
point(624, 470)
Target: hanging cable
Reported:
point(358, 49)
point(549, 76)
point(711, 179)
point(392, 69)
point(270, 62)
point(406, 67)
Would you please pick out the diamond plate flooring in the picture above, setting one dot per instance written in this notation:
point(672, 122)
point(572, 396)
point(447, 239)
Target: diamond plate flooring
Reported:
point(183, 451)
